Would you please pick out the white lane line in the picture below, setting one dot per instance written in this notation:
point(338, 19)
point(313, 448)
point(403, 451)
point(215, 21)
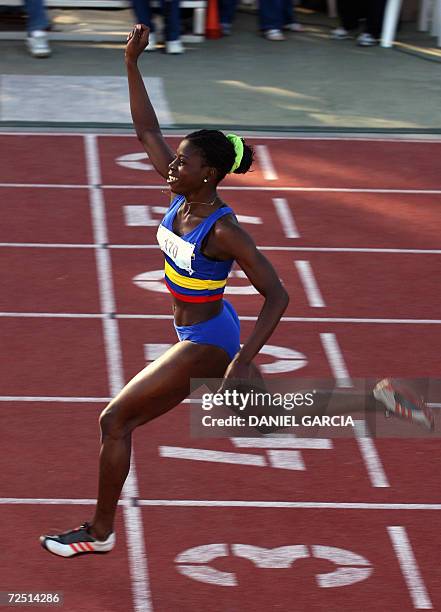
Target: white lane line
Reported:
point(309, 283)
point(142, 600)
point(283, 441)
point(165, 188)
point(306, 249)
point(409, 568)
point(169, 317)
point(370, 455)
point(43, 245)
point(286, 218)
point(230, 503)
point(291, 189)
point(52, 315)
point(350, 250)
point(72, 399)
point(200, 454)
point(52, 398)
point(132, 515)
point(139, 215)
point(265, 162)
point(335, 359)
point(170, 133)
point(42, 186)
point(350, 320)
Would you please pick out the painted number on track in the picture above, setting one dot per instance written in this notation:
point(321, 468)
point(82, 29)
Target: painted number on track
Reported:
point(350, 567)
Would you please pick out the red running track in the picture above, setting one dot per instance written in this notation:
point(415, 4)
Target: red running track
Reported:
point(342, 524)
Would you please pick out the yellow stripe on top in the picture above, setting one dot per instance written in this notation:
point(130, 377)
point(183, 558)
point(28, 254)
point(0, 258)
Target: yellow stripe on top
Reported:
point(192, 283)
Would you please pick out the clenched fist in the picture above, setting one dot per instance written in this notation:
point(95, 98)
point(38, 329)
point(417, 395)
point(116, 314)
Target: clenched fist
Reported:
point(137, 41)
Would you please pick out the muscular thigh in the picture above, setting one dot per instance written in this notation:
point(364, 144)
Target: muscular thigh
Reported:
point(166, 382)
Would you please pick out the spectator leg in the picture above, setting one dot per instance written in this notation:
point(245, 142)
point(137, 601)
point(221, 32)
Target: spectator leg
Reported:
point(289, 13)
point(172, 19)
point(270, 14)
point(349, 12)
point(143, 13)
point(374, 16)
point(227, 10)
point(37, 16)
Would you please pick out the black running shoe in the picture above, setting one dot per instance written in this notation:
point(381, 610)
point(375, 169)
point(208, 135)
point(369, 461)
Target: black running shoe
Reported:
point(76, 542)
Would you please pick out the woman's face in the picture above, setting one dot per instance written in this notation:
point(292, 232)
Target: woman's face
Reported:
point(188, 169)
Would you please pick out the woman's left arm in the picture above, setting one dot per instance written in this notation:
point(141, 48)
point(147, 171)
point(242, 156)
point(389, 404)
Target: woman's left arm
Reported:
point(234, 241)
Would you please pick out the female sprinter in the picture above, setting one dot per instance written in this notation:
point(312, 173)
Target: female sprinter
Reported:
point(201, 239)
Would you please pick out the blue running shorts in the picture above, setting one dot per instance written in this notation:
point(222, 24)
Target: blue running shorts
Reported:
point(222, 330)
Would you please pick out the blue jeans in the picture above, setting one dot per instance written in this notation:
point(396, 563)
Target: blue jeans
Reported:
point(274, 14)
point(170, 11)
point(37, 16)
point(227, 9)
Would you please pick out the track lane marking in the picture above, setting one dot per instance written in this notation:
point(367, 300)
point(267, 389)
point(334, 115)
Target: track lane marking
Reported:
point(409, 568)
point(264, 158)
point(132, 515)
point(53, 398)
point(231, 188)
point(286, 218)
point(370, 455)
point(307, 137)
point(49, 245)
point(169, 317)
point(210, 503)
point(313, 294)
point(336, 360)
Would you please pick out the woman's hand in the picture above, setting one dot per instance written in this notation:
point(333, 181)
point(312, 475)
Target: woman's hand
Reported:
point(240, 373)
point(137, 41)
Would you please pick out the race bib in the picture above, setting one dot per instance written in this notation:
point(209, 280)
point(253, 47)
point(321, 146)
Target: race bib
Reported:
point(179, 251)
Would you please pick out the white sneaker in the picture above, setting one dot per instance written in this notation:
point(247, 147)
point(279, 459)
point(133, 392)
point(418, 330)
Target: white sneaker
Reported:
point(294, 27)
point(152, 42)
point(340, 34)
point(401, 401)
point(76, 542)
point(273, 35)
point(174, 47)
point(37, 44)
point(366, 40)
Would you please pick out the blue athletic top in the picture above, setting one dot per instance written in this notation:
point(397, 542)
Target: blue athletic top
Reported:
point(189, 275)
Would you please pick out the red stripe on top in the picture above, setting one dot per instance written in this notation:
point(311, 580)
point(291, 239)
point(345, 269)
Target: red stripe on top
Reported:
point(194, 298)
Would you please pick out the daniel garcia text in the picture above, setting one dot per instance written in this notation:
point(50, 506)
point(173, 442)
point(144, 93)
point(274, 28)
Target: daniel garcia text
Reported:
point(240, 401)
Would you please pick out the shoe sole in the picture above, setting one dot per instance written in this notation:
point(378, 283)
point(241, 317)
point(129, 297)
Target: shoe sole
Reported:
point(40, 55)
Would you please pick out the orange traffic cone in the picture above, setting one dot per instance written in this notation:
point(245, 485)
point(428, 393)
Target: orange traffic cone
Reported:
point(212, 25)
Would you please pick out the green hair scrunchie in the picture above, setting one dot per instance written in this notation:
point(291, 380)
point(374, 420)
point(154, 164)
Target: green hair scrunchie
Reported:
point(237, 142)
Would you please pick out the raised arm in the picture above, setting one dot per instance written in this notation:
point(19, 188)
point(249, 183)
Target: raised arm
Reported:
point(143, 114)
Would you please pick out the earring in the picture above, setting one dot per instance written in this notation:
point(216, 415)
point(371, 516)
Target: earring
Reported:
point(205, 180)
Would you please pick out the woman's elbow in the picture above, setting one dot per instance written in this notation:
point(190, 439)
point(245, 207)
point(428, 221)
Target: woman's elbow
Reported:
point(279, 296)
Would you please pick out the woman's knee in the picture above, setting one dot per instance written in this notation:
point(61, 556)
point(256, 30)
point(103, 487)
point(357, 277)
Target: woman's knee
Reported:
point(112, 422)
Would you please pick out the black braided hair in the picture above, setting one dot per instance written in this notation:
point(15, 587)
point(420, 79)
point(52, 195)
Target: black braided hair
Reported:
point(219, 153)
